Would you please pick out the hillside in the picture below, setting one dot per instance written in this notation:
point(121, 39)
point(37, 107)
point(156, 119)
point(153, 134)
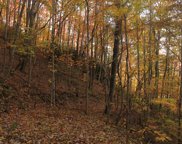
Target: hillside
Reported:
point(27, 116)
point(91, 71)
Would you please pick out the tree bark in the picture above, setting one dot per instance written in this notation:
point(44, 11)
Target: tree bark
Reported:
point(180, 99)
point(53, 89)
point(157, 64)
point(128, 83)
point(138, 62)
point(6, 34)
point(117, 35)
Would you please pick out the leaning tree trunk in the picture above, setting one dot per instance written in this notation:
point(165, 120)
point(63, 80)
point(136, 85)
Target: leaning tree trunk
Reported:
point(16, 32)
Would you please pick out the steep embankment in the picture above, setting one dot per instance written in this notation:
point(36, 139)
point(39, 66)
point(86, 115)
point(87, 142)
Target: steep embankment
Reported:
point(27, 117)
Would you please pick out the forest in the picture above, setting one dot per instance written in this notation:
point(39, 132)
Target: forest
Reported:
point(90, 71)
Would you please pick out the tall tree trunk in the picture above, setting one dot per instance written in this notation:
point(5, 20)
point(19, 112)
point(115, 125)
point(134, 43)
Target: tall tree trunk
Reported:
point(166, 69)
point(59, 32)
point(82, 40)
point(78, 42)
point(32, 12)
point(63, 35)
point(96, 46)
point(73, 38)
point(87, 25)
point(69, 32)
point(53, 89)
point(78, 38)
point(180, 99)
point(117, 35)
point(119, 71)
point(157, 64)
point(150, 73)
point(144, 67)
point(6, 34)
point(14, 14)
point(17, 31)
point(87, 51)
point(128, 108)
point(138, 62)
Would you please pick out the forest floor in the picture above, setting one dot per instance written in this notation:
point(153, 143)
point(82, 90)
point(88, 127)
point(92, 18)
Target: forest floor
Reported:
point(26, 115)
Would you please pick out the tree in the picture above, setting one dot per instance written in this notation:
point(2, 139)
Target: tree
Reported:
point(117, 34)
point(180, 99)
point(53, 88)
point(6, 34)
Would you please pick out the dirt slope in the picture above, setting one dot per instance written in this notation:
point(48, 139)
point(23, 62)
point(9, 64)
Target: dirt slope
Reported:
point(27, 117)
